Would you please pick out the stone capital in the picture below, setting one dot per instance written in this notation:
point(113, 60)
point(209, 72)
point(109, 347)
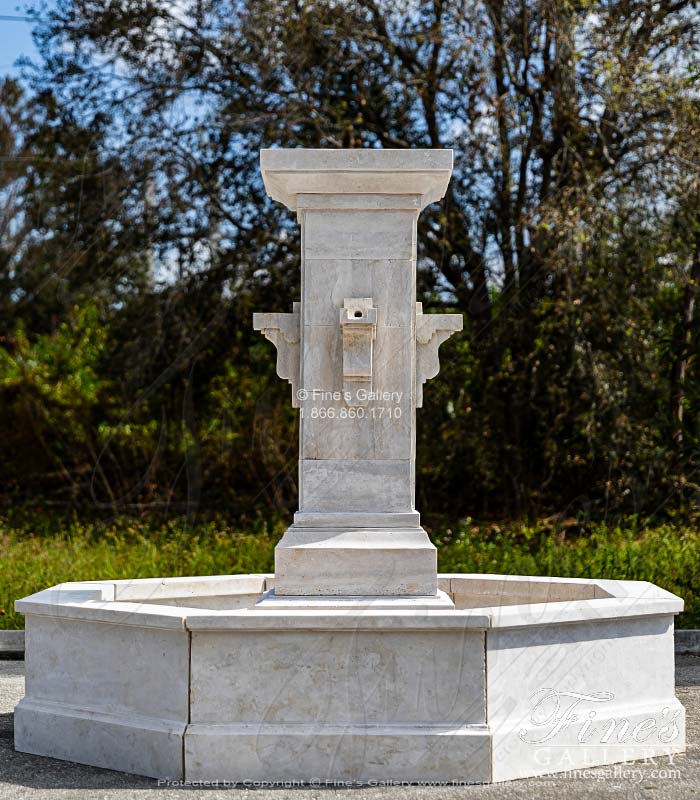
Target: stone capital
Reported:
point(421, 174)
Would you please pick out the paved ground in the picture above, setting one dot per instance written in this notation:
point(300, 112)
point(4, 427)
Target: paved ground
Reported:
point(34, 778)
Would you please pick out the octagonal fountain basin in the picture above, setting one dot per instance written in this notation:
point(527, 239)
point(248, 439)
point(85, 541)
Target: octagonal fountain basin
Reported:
point(189, 679)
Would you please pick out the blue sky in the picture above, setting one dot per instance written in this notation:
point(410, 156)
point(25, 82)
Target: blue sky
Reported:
point(15, 35)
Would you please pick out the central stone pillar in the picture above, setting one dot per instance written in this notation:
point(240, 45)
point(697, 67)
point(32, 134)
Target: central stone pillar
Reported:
point(357, 350)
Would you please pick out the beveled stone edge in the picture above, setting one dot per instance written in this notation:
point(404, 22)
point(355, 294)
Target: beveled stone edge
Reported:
point(365, 537)
point(81, 601)
point(356, 201)
point(272, 601)
point(356, 519)
point(127, 718)
point(289, 172)
point(301, 729)
point(170, 733)
point(686, 641)
point(357, 159)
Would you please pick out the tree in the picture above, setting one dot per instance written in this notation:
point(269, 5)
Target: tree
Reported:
point(568, 121)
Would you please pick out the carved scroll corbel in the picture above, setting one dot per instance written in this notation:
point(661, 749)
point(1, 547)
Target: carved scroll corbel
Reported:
point(283, 330)
point(431, 331)
point(358, 322)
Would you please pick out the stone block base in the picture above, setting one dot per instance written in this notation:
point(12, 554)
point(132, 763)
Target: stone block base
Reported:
point(140, 745)
point(363, 561)
point(343, 754)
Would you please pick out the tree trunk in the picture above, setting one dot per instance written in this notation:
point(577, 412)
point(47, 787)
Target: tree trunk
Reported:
point(683, 340)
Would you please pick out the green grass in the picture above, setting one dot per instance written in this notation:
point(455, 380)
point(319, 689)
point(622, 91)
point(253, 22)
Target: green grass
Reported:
point(32, 559)
point(46, 551)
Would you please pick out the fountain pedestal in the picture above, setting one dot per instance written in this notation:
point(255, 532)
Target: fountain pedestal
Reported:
point(357, 351)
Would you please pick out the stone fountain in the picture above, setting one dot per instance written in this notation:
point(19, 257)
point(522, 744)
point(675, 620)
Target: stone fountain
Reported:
point(356, 662)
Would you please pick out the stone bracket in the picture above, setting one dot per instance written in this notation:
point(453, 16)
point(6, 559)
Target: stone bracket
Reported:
point(431, 331)
point(283, 330)
point(358, 322)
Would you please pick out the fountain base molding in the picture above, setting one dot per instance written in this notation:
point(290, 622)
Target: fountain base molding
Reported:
point(220, 679)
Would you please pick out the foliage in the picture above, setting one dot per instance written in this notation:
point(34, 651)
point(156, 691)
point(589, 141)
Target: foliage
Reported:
point(667, 555)
point(132, 548)
point(569, 238)
point(52, 386)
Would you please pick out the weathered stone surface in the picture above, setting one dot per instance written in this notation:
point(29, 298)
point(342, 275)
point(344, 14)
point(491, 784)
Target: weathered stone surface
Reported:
point(364, 352)
point(416, 176)
point(356, 484)
point(346, 688)
point(391, 561)
point(570, 696)
point(431, 331)
point(283, 330)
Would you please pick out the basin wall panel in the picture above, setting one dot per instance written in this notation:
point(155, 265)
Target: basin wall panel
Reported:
point(108, 667)
point(544, 683)
point(338, 678)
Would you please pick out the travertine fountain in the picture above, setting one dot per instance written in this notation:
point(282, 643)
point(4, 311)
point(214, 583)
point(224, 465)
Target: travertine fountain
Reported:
point(356, 662)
